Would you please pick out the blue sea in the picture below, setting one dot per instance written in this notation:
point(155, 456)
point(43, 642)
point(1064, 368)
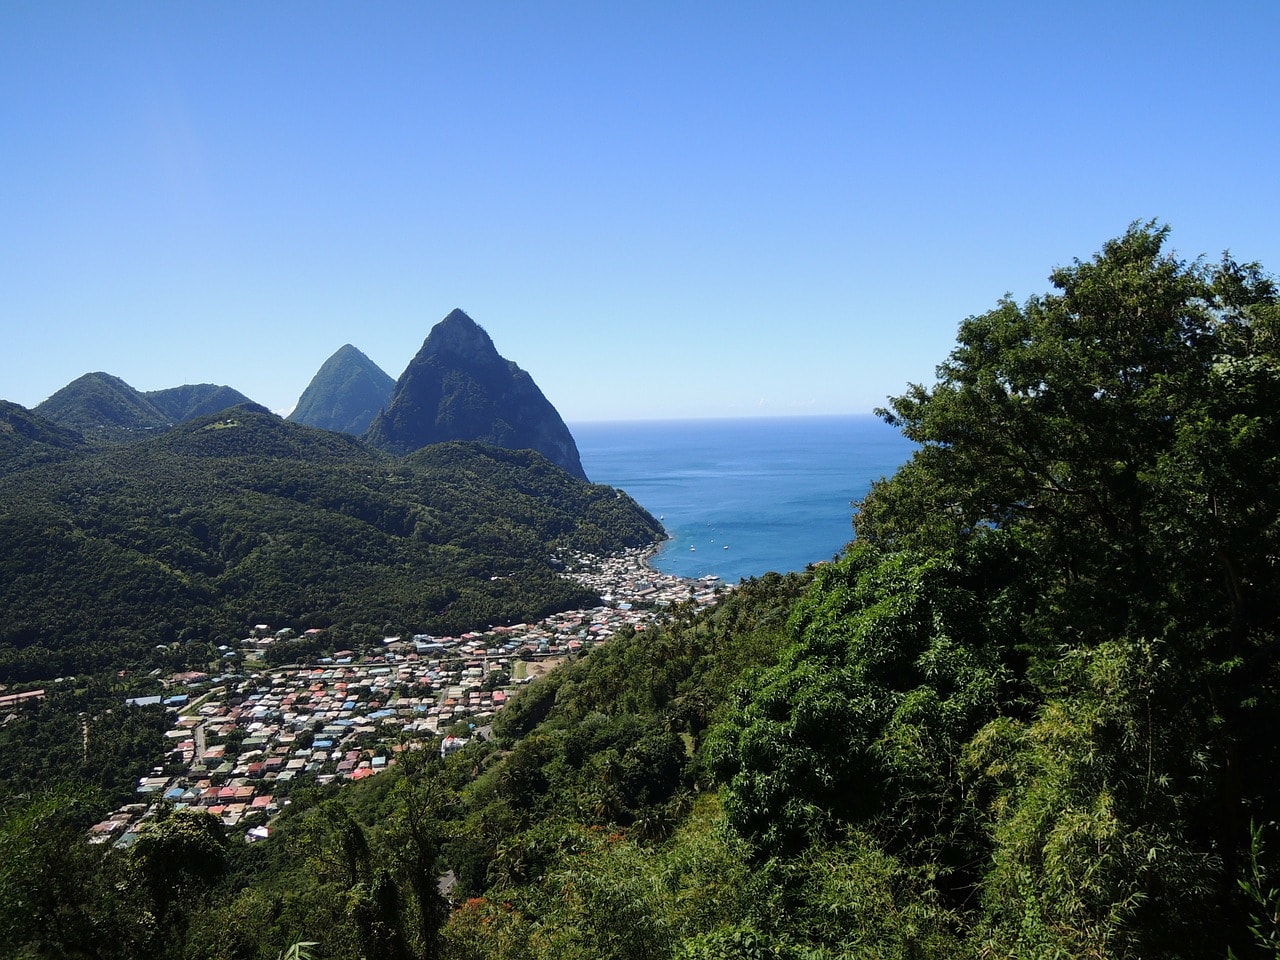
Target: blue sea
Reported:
point(742, 497)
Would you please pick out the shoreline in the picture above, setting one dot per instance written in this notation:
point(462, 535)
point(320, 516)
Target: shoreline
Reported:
point(369, 707)
point(652, 551)
point(629, 578)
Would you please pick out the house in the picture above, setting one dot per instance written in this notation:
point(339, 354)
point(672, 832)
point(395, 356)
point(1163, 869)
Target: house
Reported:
point(451, 745)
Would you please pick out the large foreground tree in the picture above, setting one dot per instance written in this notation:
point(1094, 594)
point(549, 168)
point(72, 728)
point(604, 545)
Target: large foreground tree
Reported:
point(1118, 440)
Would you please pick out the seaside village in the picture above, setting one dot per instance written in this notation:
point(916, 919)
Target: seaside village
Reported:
point(241, 739)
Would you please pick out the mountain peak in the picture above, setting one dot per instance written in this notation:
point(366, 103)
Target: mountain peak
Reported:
point(459, 387)
point(345, 394)
point(458, 333)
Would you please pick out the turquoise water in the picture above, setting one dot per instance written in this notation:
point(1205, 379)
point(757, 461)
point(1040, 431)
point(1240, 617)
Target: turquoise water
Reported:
point(743, 497)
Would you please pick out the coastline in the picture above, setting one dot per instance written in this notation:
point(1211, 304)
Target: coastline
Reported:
point(654, 549)
point(778, 492)
point(345, 717)
point(629, 578)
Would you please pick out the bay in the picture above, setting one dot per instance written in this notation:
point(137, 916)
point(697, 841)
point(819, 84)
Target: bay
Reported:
point(742, 497)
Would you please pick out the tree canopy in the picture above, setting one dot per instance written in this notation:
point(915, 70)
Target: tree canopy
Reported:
point(243, 518)
point(1115, 443)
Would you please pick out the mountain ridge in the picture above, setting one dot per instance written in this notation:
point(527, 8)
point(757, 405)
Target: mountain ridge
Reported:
point(27, 439)
point(103, 407)
point(195, 400)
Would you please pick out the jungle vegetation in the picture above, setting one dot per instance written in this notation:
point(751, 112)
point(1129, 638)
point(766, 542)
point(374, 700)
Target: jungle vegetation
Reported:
point(142, 555)
point(1029, 712)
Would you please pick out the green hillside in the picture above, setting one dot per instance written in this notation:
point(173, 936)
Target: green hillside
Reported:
point(103, 408)
point(194, 400)
point(244, 518)
point(27, 439)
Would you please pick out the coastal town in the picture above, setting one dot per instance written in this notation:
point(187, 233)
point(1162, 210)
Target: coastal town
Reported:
point(243, 739)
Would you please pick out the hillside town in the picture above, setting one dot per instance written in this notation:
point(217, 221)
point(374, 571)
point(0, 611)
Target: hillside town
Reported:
point(243, 739)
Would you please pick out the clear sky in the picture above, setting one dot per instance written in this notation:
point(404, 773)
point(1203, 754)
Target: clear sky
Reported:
point(657, 209)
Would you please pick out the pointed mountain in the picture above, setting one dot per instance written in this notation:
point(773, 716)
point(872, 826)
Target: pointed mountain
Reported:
point(103, 407)
point(459, 388)
point(194, 400)
point(346, 393)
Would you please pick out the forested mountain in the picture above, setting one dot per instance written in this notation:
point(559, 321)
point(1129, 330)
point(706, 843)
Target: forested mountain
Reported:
point(1030, 713)
point(457, 387)
point(194, 400)
point(241, 518)
point(105, 408)
point(346, 393)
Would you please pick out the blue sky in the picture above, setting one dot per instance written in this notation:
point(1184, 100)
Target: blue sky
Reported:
point(658, 210)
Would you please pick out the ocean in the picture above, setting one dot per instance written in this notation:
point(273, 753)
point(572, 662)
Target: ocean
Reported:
point(742, 497)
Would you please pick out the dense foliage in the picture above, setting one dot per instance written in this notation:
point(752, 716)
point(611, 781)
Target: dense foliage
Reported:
point(27, 439)
point(141, 555)
point(1047, 673)
point(85, 734)
point(1029, 713)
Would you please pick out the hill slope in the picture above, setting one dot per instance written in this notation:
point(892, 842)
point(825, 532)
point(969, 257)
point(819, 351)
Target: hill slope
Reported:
point(244, 518)
point(103, 407)
point(26, 438)
point(459, 388)
point(194, 400)
point(346, 393)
